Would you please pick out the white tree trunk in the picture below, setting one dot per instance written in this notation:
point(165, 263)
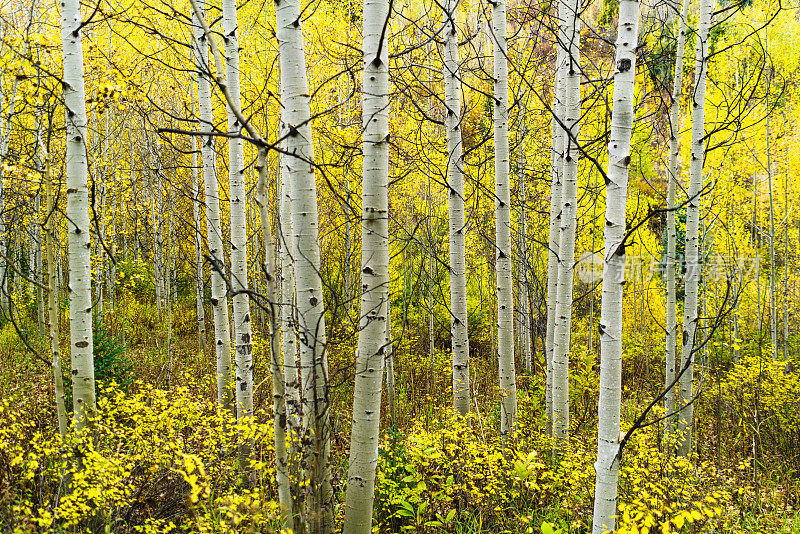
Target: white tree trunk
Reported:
point(523, 298)
point(611, 308)
point(673, 175)
point(219, 298)
point(568, 221)
point(502, 192)
point(298, 166)
point(554, 240)
point(80, 272)
point(239, 284)
point(50, 243)
point(198, 250)
point(455, 182)
point(374, 273)
point(693, 264)
point(278, 381)
point(5, 135)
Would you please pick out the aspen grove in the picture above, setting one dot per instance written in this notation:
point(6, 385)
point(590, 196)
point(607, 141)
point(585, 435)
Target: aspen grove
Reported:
point(317, 266)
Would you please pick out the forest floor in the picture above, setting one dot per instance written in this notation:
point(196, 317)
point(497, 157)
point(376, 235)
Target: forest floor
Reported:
point(164, 460)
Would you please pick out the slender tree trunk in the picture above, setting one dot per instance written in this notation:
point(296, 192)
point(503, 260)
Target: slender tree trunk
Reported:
point(219, 298)
point(568, 220)
point(80, 272)
point(239, 282)
point(455, 183)
point(524, 304)
point(611, 307)
point(198, 251)
point(298, 165)
point(278, 381)
point(554, 240)
point(773, 304)
point(50, 242)
point(373, 324)
point(673, 176)
point(5, 135)
point(502, 192)
point(391, 392)
point(693, 264)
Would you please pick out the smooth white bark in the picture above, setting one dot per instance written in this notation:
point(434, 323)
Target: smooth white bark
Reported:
point(243, 344)
point(693, 262)
point(80, 272)
point(374, 273)
point(219, 298)
point(570, 16)
point(198, 250)
point(554, 239)
point(673, 176)
point(611, 307)
point(455, 184)
point(502, 192)
point(299, 168)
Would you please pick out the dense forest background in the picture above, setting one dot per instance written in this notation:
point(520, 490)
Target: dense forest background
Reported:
point(195, 211)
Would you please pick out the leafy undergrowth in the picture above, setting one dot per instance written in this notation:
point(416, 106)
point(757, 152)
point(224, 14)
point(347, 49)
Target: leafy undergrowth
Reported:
point(156, 462)
point(452, 480)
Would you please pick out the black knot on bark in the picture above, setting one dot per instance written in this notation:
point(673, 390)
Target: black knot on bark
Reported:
point(624, 65)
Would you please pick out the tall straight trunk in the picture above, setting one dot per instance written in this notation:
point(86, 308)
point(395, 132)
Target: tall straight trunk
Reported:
point(198, 251)
point(524, 302)
point(554, 239)
point(455, 183)
point(502, 192)
point(5, 135)
point(570, 16)
point(693, 264)
point(288, 314)
point(773, 304)
point(611, 307)
point(278, 381)
point(673, 175)
point(239, 284)
point(50, 242)
point(299, 167)
point(431, 272)
point(219, 298)
point(80, 271)
point(373, 323)
point(158, 228)
point(391, 389)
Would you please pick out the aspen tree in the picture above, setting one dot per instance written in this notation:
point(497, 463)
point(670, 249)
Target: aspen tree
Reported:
point(219, 298)
point(239, 285)
point(5, 134)
point(80, 272)
point(502, 192)
point(611, 307)
point(693, 264)
point(198, 250)
point(298, 165)
point(567, 219)
point(671, 326)
point(50, 242)
point(373, 322)
point(455, 186)
point(287, 310)
point(523, 297)
point(279, 409)
point(280, 422)
point(554, 239)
